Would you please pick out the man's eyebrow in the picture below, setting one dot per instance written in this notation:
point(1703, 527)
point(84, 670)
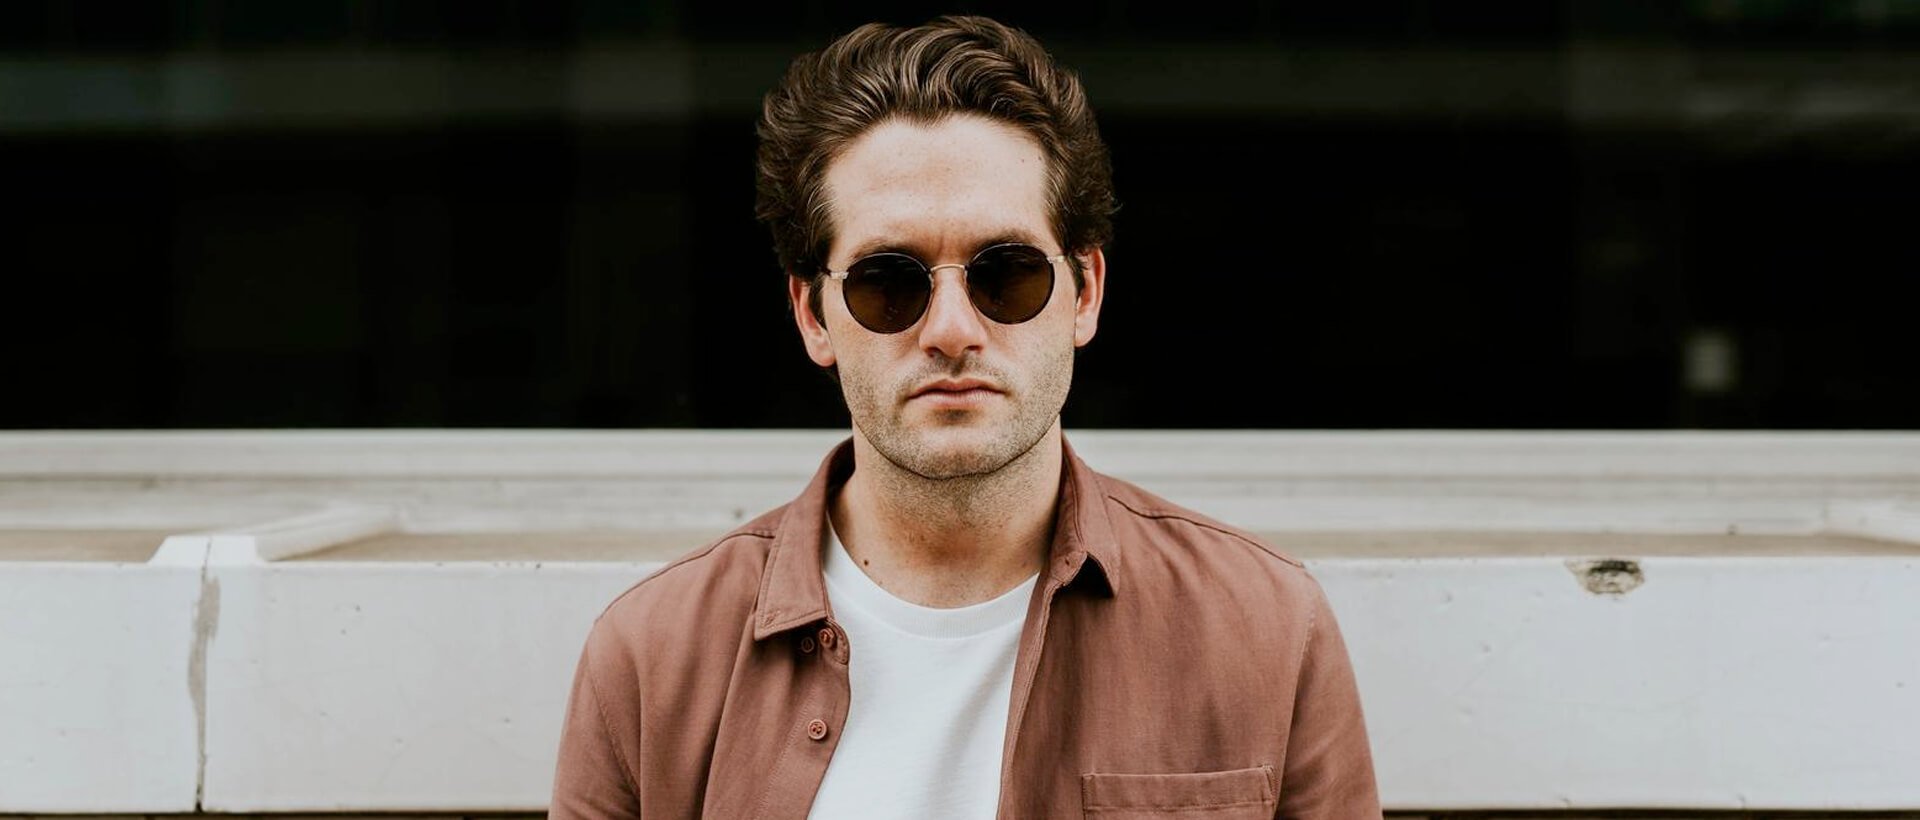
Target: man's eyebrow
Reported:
point(874, 246)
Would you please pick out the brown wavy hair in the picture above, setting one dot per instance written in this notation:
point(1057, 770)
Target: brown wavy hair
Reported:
point(951, 65)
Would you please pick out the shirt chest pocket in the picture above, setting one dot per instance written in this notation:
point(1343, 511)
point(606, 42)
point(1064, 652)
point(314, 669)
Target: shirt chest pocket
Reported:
point(1237, 794)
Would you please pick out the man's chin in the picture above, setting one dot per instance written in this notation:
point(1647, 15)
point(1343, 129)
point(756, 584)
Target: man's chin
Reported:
point(954, 452)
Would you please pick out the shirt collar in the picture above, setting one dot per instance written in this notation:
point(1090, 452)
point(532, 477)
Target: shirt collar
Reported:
point(792, 593)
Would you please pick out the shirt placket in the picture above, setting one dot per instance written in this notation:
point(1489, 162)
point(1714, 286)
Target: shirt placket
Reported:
point(795, 776)
point(1032, 641)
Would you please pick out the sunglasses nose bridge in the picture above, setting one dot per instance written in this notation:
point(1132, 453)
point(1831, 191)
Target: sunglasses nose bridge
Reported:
point(933, 278)
point(951, 321)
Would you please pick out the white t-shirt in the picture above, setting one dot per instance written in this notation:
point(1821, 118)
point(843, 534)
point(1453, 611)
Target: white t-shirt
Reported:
point(930, 692)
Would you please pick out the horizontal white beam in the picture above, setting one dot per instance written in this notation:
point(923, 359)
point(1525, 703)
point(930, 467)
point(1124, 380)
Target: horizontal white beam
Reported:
point(515, 481)
point(1186, 454)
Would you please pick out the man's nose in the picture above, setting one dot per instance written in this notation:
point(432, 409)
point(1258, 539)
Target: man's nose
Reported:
point(952, 325)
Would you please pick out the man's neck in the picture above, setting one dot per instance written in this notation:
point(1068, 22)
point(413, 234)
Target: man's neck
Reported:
point(949, 542)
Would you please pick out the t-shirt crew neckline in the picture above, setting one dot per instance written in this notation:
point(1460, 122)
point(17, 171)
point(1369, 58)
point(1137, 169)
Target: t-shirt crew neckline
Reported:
point(853, 585)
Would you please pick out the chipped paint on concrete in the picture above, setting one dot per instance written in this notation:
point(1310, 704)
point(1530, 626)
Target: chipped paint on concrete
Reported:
point(206, 623)
point(1607, 576)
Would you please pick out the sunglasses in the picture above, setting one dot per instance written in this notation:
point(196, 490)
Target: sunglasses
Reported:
point(889, 292)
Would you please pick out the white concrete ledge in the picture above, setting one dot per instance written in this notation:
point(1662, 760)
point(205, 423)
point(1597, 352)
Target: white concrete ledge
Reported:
point(1849, 457)
point(480, 481)
point(1539, 621)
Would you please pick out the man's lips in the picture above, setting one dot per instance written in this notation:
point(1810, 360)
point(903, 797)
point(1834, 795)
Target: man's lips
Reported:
point(955, 393)
point(954, 399)
point(955, 387)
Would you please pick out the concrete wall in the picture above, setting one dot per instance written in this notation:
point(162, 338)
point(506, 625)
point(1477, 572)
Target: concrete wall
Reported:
point(320, 622)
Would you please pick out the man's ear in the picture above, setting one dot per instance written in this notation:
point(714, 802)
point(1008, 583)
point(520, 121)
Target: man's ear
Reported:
point(1093, 288)
point(812, 333)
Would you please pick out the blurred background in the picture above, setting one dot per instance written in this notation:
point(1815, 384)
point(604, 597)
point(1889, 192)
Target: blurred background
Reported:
point(1409, 214)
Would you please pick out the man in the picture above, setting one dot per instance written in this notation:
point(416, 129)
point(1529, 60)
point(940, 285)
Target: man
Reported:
point(958, 618)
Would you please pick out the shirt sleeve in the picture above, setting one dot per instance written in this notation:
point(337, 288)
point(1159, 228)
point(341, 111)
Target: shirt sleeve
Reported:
point(591, 780)
point(1328, 770)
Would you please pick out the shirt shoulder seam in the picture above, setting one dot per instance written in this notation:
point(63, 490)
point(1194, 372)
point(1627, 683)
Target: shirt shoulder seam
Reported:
point(1179, 515)
point(1306, 646)
point(606, 726)
point(683, 560)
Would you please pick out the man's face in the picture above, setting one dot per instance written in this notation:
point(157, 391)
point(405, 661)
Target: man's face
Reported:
point(940, 193)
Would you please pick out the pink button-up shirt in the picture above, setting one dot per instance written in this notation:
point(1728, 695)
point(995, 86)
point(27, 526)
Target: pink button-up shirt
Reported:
point(1170, 666)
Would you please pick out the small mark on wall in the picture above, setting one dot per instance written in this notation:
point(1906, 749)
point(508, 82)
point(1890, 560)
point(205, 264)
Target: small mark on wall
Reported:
point(1607, 576)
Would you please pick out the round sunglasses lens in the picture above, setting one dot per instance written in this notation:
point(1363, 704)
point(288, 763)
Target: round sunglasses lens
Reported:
point(1010, 283)
point(886, 292)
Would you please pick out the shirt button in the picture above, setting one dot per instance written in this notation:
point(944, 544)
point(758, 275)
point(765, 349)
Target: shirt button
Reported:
point(826, 638)
point(806, 643)
point(816, 729)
